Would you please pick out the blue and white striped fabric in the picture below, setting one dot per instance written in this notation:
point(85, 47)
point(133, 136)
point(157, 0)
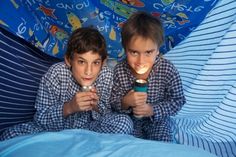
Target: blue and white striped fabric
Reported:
point(207, 64)
point(21, 67)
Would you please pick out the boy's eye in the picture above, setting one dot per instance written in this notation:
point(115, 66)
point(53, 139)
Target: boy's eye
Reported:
point(81, 61)
point(133, 53)
point(97, 62)
point(148, 53)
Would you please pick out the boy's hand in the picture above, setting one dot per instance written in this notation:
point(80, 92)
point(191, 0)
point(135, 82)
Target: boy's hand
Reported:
point(95, 101)
point(133, 99)
point(144, 110)
point(82, 101)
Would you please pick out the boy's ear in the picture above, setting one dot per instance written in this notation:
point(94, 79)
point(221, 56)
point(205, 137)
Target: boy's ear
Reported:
point(67, 60)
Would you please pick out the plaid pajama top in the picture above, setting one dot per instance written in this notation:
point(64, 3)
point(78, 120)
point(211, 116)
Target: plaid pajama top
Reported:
point(165, 92)
point(58, 86)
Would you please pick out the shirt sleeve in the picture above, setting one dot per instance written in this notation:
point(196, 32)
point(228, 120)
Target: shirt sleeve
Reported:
point(104, 86)
point(49, 109)
point(174, 96)
point(118, 92)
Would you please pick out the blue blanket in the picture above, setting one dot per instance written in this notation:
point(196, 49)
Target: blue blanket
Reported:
point(74, 143)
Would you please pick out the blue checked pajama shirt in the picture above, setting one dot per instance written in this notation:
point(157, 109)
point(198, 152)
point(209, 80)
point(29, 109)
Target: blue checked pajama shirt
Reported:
point(58, 86)
point(165, 94)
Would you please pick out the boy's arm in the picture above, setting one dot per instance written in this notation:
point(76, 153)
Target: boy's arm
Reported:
point(175, 97)
point(49, 108)
point(104, 87)
point(118, 94)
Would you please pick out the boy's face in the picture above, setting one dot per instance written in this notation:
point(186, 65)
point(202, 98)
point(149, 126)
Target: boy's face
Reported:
point(85, 67)
point(141, 54)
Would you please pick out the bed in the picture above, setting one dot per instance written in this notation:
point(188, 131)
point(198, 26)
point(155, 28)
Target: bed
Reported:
point(22, 62)
point(74, 143)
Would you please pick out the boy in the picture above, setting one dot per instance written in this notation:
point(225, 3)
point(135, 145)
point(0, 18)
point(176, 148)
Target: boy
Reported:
point(142, 36)
point(75, 94)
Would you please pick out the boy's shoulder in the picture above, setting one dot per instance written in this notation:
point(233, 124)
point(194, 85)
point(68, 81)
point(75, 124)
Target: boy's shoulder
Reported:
point(120, 66)
point(58, 65)
point(57, 69)
point(105, 75)
point(106, 72)
point(166, 62)
point(167, 65)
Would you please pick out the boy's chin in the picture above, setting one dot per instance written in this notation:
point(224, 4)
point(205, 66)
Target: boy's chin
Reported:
point(86, 83)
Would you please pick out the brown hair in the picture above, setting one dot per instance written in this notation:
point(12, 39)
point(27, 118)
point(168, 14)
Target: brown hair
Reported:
point(86, 39)
point(142, 24)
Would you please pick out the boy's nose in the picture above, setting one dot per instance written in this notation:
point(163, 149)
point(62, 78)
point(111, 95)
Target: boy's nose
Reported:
point(140, 59)
point(88, 70)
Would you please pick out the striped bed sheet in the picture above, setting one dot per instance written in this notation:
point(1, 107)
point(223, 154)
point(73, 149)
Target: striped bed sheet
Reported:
point(207, 64)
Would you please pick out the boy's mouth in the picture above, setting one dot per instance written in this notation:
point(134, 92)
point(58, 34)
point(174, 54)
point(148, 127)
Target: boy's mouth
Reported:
point(141, 69)
point(87, 81)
